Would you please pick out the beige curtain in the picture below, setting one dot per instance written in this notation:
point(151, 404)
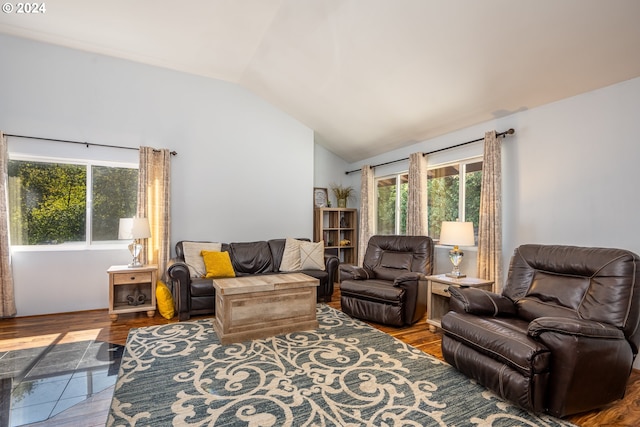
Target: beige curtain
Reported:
point(154, 203)
point(417, 197)
point(490, 226)
point(367, 199)
point(7, 297)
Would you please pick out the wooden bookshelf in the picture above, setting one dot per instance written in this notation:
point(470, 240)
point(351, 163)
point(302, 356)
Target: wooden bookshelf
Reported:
point(335, 225)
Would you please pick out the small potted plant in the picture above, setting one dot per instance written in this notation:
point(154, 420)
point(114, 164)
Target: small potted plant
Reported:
point(342, 194)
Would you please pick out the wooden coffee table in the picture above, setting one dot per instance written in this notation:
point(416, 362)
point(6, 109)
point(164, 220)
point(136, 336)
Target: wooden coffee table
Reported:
point(254, 307)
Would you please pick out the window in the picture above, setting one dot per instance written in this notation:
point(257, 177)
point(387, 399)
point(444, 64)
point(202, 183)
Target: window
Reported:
point(391, 209)
point(453, 193)
point(61, 202)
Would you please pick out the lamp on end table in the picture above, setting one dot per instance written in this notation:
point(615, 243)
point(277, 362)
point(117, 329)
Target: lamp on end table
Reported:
point(135, 229)
point(457, 234)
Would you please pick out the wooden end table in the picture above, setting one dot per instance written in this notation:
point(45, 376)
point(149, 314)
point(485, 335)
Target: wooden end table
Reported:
point(137, 284)
point(438, 295)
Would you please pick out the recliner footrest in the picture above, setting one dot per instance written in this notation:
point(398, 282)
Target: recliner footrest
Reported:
point(374, 290)
point(503, 380)
point(505, 340)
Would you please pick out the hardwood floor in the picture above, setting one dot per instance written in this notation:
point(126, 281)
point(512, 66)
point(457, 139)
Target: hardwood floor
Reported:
point(29, 331)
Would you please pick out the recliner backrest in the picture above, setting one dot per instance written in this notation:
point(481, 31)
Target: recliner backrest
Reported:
point(390, 256)
point(597, 284)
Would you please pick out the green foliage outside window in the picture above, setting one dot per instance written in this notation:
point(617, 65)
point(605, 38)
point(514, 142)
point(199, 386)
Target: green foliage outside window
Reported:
point(48, 201)
point(473, 185)
point(443, 198)
point(115, 192)
point(387, 209)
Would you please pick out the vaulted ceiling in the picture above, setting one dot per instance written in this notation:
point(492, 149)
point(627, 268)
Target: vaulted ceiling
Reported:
point(367, 76)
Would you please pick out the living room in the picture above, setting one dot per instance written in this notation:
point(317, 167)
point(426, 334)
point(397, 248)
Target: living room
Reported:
point(245, 169)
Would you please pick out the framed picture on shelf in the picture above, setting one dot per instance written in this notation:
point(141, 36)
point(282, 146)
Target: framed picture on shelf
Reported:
point(320, 197)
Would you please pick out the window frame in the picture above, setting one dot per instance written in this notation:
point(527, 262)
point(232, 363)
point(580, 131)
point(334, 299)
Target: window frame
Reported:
point(462, 189)
point(87, 244)
point(398, 202)
point(462, 168)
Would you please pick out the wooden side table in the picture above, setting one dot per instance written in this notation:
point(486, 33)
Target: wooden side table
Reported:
point(438, 295)
point(132, 290)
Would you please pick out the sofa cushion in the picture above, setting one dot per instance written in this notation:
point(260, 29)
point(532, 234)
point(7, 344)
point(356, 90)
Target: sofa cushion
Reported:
point(218, 264)
point(251, 258)
point(312, 255)
point(202, 288)
point(291, 256)
point(317, 274)
point(193, 256)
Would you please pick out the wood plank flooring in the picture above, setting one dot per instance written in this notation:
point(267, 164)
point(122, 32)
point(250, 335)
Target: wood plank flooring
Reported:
point(29, 331)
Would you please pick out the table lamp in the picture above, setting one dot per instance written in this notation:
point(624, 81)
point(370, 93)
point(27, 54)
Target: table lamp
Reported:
point(134, 228)
point(457, 234)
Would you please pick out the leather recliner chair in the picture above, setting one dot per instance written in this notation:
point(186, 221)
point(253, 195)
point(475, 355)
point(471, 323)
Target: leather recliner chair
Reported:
point(390, 288)
point(562, 336)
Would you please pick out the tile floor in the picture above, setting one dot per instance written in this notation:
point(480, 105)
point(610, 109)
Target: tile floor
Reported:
point(39, 383)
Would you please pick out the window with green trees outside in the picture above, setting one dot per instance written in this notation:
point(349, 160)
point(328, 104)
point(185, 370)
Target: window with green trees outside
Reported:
point(453, 193)
point(53, 203)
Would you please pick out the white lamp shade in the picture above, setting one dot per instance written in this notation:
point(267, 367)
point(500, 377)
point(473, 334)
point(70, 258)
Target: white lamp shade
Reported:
point(134, 228)
point(457, 233)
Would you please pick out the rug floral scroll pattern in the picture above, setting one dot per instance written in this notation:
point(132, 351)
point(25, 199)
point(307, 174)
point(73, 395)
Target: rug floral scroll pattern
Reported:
point(343, 374)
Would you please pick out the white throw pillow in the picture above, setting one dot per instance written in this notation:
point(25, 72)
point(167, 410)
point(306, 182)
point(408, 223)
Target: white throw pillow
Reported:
point(193, 257)
point(291, 256)
point(312, 255)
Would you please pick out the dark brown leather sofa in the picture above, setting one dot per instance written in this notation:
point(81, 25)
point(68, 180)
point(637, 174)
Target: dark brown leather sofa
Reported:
point(196, 296)
point(562, 336)
point(390, 287)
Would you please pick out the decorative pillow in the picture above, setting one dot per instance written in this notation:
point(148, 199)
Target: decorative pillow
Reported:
point(164, 300)
point(218, 264)
point(291, 256)
point(193, 256)
point(312, 255)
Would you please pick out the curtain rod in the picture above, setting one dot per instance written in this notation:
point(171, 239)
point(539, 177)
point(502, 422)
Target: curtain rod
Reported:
point(502, 134)
point(87, 144)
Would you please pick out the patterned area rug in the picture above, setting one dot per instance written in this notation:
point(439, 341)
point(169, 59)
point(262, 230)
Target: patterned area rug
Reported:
point(345, 373)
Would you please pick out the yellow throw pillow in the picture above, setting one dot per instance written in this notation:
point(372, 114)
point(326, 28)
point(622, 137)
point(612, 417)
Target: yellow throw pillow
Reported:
point(192, 252)
point(218, 264)
point(164, 301)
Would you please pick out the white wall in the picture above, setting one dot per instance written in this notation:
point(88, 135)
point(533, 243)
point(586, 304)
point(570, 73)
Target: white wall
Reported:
point(569, 172)
point(570, 175)
point(329, 170)
point(241, 166)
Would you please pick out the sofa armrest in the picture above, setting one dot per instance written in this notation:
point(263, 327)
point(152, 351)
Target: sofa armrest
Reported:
point(353, 272)
point(415, 300)
point(408, 277)
point(180, 277)
point(480, 302)
point(331, 264)
point(587, 355)
point(573, 327)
